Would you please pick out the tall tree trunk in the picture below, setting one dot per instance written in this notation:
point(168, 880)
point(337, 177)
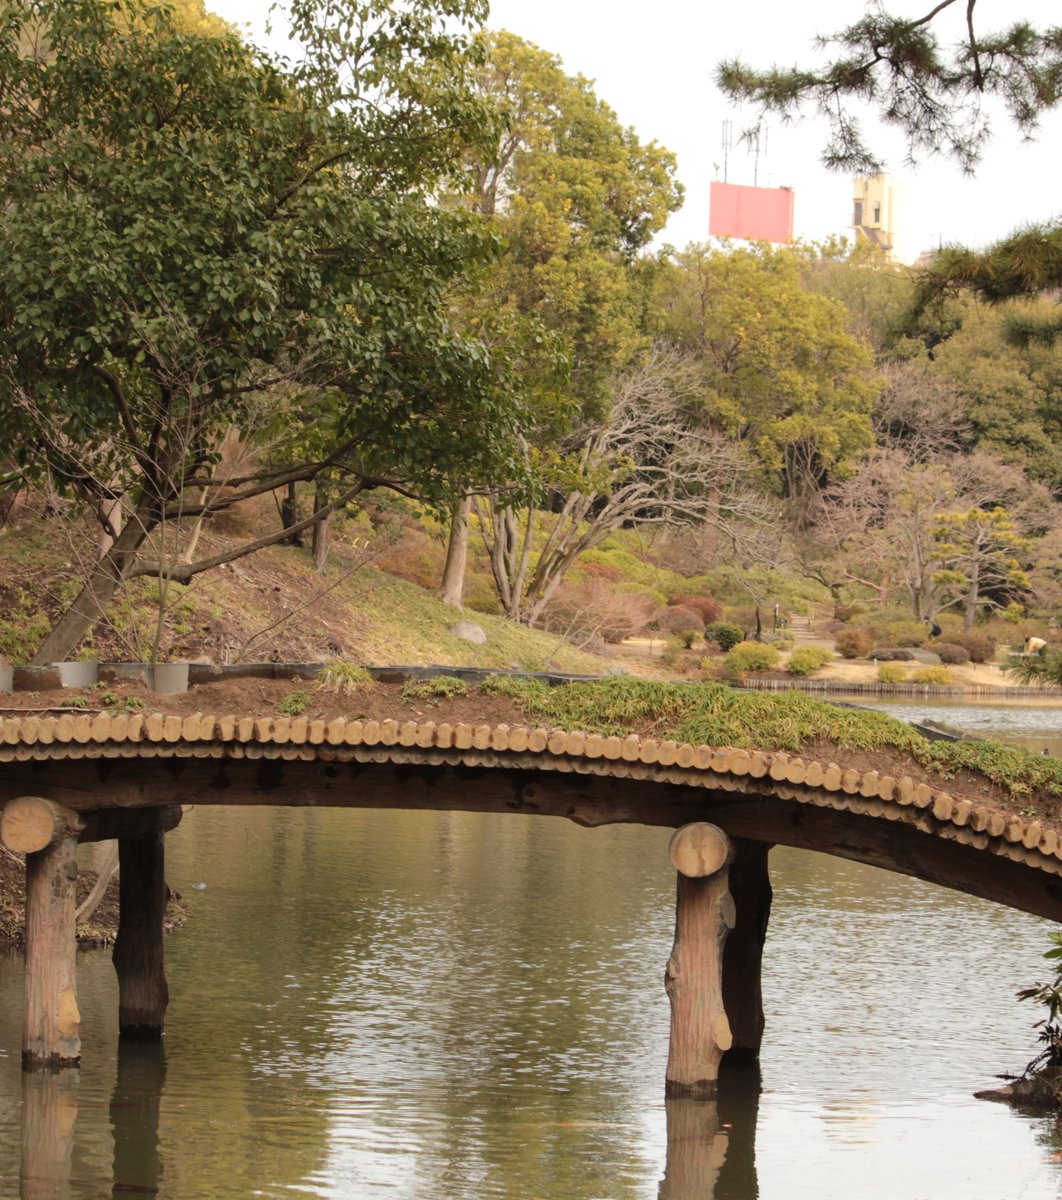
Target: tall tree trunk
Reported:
point(320, 526)
point(92, 601)
point(289, 514)
point(452, 587)
point(972, 596)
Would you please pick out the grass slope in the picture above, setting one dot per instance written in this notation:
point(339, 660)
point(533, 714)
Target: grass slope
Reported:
point(272, 606)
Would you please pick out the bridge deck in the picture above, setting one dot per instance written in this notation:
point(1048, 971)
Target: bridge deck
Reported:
point(897, 821)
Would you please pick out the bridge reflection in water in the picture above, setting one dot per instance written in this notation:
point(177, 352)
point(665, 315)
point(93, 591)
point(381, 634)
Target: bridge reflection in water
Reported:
point(710, 1143)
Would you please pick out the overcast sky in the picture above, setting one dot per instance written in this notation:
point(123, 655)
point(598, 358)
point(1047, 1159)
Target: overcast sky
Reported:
point(653, 63)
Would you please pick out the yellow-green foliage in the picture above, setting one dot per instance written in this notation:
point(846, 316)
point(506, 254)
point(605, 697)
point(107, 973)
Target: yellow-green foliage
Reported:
point(344, 677)
point(294, 703)
point(891, 673)
point(625, 565)
point(442, 687)
point(22, 634)
point(932, 675)
point(807, 660)
point(751, 656)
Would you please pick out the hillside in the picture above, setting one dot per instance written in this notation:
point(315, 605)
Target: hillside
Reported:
point(271, 606)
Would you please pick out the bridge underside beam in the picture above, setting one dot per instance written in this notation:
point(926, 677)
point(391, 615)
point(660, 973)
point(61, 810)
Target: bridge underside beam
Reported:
point(915, 843)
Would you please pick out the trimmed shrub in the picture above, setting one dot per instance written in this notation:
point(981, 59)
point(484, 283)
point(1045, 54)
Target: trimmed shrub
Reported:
point(707, 609)
point(950, 653)
point(751, 656)
point(891, 673)
point(807, 660)
point(932, 675)
point(725, 635)
point(848, 612)
point(853, 643)
point(891, 654)
point(980, 648)
point(907, 633)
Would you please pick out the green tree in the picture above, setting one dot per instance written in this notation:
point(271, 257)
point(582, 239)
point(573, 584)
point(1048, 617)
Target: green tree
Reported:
point(200, 239)
point(779, 371)
point(981, 552)
point(876, 295)
point(1027, 263)
point(575, 196)
point(1011, 395)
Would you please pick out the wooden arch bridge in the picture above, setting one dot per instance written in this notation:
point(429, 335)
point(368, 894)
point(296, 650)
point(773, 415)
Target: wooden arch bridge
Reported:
point(81, 778)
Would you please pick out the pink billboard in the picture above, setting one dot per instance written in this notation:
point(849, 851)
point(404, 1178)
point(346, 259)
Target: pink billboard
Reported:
point(754, 213)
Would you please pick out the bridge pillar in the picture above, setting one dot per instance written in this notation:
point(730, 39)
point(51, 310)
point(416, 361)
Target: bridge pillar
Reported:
point(46, 833)
point(138, 956)
point(750, 886)
point(704, 915)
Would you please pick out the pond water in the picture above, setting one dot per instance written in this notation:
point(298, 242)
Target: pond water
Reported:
point(426, 1006)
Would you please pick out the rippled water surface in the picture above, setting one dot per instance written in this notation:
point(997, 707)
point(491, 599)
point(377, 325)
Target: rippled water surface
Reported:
point(428, 1006)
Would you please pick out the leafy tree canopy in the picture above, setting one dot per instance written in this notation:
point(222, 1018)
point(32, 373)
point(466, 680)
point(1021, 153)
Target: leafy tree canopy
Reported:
point(778, 368)
point(195, 233)
point(575, 196)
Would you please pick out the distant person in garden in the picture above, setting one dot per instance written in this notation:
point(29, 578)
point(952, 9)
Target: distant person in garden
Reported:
point(1034, 645)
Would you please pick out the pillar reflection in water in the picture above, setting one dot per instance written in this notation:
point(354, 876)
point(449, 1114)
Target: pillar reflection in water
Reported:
point(135, 1105)
point(49, 1114)
point(711, 1144)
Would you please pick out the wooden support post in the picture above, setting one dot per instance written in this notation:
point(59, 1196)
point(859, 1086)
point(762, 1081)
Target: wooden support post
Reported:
point(47, 834)
point(704, 914)
point(138, 959)
point(49, 1114)
point(750, 886)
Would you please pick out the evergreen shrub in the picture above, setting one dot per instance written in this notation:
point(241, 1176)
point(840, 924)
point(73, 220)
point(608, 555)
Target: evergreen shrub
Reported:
point(751, 656)
point(725, 635)
point(707, 609)
point(931, 675)
point(980, 648)
point(891, 673)
point(807, 660)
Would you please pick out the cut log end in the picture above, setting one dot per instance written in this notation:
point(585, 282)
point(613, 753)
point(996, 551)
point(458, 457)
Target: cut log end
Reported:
point(699, 849)
point(30, 823)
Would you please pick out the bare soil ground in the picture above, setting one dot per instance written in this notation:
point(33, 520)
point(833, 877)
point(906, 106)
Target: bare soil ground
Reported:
point(98, 930)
